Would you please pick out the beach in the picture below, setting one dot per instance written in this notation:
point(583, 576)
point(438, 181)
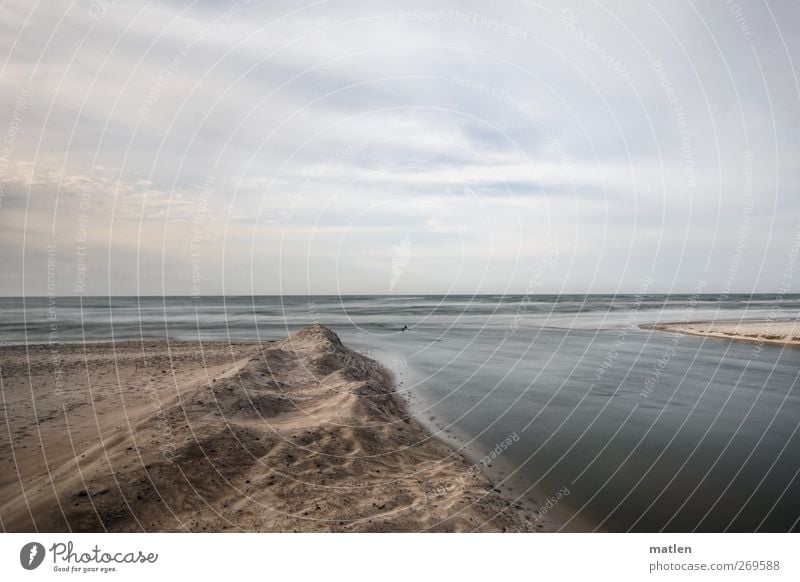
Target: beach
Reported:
point(296, 435)
point(568, 409)
point(775, 332)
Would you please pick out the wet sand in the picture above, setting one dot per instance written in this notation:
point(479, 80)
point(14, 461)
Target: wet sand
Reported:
point(296, 435)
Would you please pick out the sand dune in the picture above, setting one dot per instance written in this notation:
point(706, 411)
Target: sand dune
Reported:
point(297, 435)
point(778, 332)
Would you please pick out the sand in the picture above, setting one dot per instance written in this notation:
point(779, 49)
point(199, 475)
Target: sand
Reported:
point(296, 435)
point(775, 332)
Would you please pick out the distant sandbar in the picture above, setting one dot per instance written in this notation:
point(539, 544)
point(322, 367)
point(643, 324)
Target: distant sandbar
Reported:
point(776, 332)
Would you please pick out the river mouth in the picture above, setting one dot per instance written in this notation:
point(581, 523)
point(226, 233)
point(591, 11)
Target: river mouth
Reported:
point(660, 433)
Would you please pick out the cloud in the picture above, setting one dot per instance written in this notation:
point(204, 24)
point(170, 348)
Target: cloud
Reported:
point(309, 140)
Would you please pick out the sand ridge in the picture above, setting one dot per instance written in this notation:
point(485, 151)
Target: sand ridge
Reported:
point(302, 434)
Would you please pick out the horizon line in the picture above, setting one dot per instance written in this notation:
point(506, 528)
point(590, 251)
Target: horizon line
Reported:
point(523, 294)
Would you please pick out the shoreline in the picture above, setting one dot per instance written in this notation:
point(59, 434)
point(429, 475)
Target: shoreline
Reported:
point(502, 476)
point(223, 436)
point(783, 332)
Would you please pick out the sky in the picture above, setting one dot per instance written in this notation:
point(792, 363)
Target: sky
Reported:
point(179, 148)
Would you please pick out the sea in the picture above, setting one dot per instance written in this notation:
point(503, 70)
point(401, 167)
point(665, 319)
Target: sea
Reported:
point(566, 398)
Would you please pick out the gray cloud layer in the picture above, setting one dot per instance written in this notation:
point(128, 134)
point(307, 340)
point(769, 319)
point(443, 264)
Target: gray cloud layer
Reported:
point(369, 147)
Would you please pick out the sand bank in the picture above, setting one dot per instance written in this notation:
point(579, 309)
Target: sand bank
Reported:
point(782, 332)
point(296, 435)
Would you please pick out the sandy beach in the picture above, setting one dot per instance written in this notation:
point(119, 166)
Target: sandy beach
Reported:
point(295, 435)
point(776, 332)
